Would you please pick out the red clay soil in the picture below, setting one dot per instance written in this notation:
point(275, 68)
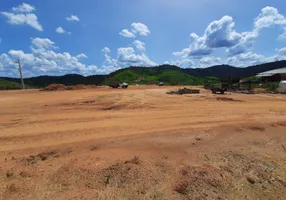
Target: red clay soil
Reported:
point(61, 87)
point(141, 144)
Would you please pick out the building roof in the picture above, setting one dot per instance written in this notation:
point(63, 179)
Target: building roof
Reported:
point(272, 72)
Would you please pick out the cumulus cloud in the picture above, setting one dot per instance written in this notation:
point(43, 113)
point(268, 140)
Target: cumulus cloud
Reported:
point(19, 54)
point(5, 61)
point(246, 59)
point(106, 50)
point(140, 28)
point(184, 63)
point(221, 34)
point(21, 16)
point(24, 7)
point(139, 45)
point(44, 60)
point(73, 18)
point(280, 55)
point(43, 43)
point(210, 61)
point(268, 17)
point(81, 55)
point(128, 57)
point(283, 35)
point(218, 34)
point(60, 30)
point(126, 33)
point(28, 19)
point(136, 29)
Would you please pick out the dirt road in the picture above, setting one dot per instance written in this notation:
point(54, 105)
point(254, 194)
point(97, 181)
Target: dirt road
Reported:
point(141, 143)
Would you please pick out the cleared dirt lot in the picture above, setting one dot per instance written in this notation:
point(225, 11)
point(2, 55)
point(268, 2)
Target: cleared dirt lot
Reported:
point(141, 143)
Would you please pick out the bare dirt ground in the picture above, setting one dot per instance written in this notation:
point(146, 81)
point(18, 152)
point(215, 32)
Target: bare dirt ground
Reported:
point(141, 143)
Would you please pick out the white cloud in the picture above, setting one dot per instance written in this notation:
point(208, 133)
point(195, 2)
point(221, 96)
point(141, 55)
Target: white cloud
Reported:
point(280, 55)
point(136, 29)
point(140, 28)
point(72, 18)
point(283, 35)
point(184, 53)
point(24, 8)
point(268, 17)
point(210, 61)
point(125, 57)
point(5, 61)
point(128, 57)
point(126, 33)
point(43, 60)
point(22, 15)
point(19, 54)
point(246, 59)
point(43, 43)
point(184, 63)
point(139, 45)
point(106, 50)
point(81, 55)
point(218, 34)
point(221, 34)
point(28, 19)
point(60, 30)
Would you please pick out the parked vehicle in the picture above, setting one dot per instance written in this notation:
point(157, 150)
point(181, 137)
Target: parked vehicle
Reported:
point(161, 84)
point(114, 83)
point(219, 87)
point(123, 85)
point(282, 87)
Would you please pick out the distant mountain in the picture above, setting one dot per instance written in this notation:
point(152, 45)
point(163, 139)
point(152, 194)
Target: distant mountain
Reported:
point(69, 79)
point(223, 71)
point(169, 74)
point(219, 71)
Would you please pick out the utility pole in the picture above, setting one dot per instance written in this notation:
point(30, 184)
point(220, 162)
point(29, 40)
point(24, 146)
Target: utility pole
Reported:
point(21, 76)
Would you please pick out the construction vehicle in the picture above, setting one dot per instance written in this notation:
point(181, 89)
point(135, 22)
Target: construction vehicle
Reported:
point(123, 85)
point(114, 83)
point(219, 87)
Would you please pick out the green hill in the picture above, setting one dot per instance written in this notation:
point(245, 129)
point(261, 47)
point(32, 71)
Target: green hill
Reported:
point(169, 74)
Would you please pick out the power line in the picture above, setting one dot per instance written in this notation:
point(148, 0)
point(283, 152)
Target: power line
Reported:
point(21, 76)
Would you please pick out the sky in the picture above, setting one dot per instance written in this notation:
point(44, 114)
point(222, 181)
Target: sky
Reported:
point(57, 37)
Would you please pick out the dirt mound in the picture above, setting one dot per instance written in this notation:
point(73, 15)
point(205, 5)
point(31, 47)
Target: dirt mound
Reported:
point(61, 87)
point(227, 99)
point(54, 87)
point(185, 91)
point(202, 182)
point(130, 175)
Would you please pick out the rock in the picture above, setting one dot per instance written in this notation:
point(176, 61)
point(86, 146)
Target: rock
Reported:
point(25, 174)
point(9, 174)
point(250, 179)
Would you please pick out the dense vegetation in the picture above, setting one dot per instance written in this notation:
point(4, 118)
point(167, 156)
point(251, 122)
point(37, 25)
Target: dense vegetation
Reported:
point(169, 74)
point(169, 77)
point(10, 85)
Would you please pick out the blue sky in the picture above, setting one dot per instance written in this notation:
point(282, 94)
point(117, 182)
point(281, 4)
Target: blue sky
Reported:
point(55, 37)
